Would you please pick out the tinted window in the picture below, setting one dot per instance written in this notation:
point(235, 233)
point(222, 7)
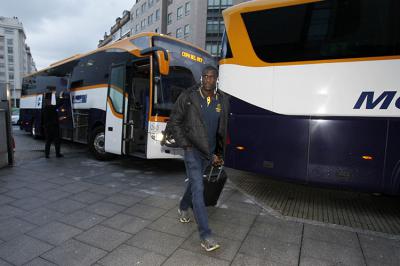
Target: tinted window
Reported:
point(326, 30)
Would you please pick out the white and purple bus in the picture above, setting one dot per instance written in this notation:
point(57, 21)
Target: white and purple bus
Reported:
point(315, 88)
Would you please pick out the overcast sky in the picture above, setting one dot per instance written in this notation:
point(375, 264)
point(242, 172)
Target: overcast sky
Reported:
point(57, 29)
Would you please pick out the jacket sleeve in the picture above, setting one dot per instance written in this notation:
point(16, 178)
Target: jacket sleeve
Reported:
point(177, 120)
point(222, 130)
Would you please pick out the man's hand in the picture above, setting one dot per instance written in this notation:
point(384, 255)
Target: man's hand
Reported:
point(217, 161)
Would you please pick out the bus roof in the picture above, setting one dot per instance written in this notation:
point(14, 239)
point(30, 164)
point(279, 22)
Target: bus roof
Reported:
point(124, 44)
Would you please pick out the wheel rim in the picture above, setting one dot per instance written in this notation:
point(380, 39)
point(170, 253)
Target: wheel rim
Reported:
point(33, 129)
point(98, 143)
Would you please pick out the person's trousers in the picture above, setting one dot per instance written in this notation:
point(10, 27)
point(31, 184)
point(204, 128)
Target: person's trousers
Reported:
point(52, 135)
point(194, 194)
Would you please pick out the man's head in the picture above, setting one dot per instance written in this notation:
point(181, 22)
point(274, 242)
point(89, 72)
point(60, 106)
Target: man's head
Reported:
point(209, 78)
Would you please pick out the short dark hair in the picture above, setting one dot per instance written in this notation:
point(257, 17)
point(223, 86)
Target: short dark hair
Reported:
point(209, 68)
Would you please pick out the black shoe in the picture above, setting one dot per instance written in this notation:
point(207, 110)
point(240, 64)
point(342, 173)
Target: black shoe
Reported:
point(59, 155)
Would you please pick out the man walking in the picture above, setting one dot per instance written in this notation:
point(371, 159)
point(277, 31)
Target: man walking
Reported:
point(51, 127)
point(198, 124)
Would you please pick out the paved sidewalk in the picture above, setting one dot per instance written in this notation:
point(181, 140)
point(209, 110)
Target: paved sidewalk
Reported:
point(79, 211)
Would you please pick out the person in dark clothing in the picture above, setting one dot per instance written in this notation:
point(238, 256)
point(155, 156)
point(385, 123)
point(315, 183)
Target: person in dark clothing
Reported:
point(198, 124)
point(51, 127)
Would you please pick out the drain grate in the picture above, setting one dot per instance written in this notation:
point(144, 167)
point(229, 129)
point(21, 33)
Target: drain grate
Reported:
point(357, 210)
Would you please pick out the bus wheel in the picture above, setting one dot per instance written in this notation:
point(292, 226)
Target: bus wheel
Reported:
point(97, 144)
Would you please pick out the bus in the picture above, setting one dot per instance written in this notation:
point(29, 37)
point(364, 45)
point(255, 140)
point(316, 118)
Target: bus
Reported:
point(315, 92)
point(118, 98)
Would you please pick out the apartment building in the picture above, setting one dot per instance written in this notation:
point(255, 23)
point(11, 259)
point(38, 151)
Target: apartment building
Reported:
point(15, 56)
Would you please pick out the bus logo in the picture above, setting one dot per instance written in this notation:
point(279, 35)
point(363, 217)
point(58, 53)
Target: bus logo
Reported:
point(385, 99)
point(192, 57)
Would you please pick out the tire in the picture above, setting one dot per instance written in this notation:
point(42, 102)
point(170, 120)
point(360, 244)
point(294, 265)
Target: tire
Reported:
point(34, 130)
point(96, 143)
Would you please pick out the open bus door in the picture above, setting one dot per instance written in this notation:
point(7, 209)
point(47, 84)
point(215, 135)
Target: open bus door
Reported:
point(115, 110)
point(137, 111)
point(127, 109)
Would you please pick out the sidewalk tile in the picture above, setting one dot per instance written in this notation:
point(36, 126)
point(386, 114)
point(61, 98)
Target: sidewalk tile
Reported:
point(161, 243)
point(235, 217)
point(123, 200)
point(271, 250)
point(22, 249)
point(41, 216)
point(39, 262)
point(53, 194)
point(229, 230)
point(160, 202)
point(243, 260)
point(55, 233)
point(126, 223)
point(378, 250)
point(132, 256)
point(13, 227)
point(103, 237)
point(334, 253)
point(74, 253)
point(82, 219)
point(173, 226)
point(284, 232)
point(30, 203)
point(330, 235)
point(21, 193)
point(87, 197)
point(105, 208)
point(145, 211)
point(66, 206)
point(188, 258)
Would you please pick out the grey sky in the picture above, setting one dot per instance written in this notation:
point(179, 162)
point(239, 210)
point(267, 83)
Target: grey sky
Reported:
point(56, 29)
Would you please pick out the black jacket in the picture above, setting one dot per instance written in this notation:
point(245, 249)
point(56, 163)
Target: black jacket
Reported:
point(50, 116)
point(187, 125)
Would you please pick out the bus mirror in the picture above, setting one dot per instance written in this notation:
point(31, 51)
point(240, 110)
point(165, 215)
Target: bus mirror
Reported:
point(162, 58)
point(163, 62)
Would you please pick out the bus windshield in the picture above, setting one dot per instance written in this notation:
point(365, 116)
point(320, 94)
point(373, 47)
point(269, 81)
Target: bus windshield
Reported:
point(186, 65)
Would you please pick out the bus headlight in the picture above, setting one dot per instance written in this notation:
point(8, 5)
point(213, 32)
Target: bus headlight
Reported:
point(157, 136)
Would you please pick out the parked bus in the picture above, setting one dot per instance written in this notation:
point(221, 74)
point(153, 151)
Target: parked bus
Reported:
point(117, 98)
point(315, 91)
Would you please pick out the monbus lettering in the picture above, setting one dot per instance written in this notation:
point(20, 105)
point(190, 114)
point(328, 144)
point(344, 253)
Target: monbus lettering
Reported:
point(385, 99)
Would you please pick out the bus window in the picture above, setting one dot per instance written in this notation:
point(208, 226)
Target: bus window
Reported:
point(325, 30)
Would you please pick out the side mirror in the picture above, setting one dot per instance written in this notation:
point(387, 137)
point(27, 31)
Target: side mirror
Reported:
point(162, 58)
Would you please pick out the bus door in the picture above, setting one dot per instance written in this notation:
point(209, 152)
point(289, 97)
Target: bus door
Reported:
point(115, 110)
point(137, 108)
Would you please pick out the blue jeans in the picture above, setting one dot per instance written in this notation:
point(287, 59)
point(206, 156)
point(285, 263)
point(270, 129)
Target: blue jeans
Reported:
point(194, 194)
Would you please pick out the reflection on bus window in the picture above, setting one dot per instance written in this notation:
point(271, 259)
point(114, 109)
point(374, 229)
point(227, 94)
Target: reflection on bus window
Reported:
point(169, 88)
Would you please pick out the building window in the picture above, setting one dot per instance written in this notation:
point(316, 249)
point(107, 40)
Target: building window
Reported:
point(213, 48)
point(10, 68)
point(143, 8)
point(137, 28)
point(150, 3)
point(157, 14)
point(10, 50)
point(179, 13)
point(179, 33)
point(187, 8)
point(143, 23)
point(213, 26)
point(169, 18)
point(9, 31)
point(137, 12)
point(10, 41)
point(156, 30)
point(186, 30)
point(150, 19)
point(11, 76)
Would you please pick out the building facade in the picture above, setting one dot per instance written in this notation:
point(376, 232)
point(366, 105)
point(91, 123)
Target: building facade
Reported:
point(197, 21)
point(15, 56)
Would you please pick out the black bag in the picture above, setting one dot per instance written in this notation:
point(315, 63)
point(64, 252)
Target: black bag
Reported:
point(168, 140)
point(214, 180)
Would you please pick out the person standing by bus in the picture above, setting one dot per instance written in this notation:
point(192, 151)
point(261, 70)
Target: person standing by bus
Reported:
point(198, 125)
point(51, 127)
